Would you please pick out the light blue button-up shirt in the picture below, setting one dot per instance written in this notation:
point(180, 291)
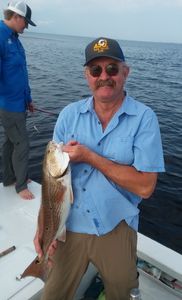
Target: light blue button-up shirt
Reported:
point(132, 138)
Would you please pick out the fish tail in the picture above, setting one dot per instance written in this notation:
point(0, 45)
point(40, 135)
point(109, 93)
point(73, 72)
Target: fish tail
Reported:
point(37, 268)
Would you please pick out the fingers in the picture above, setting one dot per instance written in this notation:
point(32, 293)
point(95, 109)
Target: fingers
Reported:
point(52, 248)
point(37, 246)
point(70, 143)
point(38, 250)
point(50, 262)
point(31, 107)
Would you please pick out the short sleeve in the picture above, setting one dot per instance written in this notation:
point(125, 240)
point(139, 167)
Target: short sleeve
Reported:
point(148, 152)
point(61, 126)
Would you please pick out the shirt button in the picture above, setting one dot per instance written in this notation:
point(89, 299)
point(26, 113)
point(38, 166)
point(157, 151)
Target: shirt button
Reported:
point(85, 171)
point(84, 189)
point(88, 210)
point(99, 144)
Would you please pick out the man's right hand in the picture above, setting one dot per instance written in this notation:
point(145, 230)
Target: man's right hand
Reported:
point(51, 250)
point(37, 244)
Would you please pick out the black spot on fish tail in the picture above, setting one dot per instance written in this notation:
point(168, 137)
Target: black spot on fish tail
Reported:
point(38, 268)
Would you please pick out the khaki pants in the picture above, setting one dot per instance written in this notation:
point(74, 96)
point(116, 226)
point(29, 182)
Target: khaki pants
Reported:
point(114, 255)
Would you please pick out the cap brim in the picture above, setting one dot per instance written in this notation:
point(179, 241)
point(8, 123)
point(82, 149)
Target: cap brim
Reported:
point(100, 56)
point(30, 22)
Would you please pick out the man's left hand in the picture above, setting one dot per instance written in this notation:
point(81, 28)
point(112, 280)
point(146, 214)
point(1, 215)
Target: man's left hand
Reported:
point(31, 107)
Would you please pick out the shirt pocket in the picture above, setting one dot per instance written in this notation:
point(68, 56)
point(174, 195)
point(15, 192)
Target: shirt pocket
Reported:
point(120, 149)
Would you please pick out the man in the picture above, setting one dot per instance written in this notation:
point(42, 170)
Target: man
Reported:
point(114, 144)
point(15, 97)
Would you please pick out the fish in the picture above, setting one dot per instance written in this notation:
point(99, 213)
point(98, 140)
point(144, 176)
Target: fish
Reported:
point(56, 201)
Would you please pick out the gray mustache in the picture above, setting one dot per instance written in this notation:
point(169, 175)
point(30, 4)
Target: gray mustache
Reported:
point(108, 82)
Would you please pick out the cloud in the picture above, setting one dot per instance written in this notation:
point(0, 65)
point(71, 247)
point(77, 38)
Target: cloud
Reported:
point(155, 20)
point(85, 5)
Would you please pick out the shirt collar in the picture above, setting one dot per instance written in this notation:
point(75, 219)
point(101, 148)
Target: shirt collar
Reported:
point(128, 106)
point(87, 106)
point(8, 30)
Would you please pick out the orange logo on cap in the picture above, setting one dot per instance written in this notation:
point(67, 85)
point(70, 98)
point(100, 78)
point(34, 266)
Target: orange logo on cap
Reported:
point(101, 46)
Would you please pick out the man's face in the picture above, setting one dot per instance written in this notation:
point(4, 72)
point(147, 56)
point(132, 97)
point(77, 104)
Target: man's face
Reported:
point(20, 23)
point(106, 78)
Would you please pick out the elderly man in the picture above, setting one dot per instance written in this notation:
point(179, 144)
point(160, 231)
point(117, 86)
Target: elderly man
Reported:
point(114, 144)
point(15, 97)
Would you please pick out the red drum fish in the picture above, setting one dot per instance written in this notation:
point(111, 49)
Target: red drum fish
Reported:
point(56, 201)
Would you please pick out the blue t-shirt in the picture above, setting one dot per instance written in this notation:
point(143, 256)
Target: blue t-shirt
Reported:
point(14, 87)
point(131, 138)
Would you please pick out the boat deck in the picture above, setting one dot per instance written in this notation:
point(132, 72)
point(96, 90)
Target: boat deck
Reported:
point(18, 220)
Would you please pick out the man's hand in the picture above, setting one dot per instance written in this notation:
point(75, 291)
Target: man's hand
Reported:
point(51, 251)
point(31, 107)
point(52, 248)
point(38, 249)
point(76, 151)
point(37, 244)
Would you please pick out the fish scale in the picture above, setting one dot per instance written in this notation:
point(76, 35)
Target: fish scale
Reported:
point(56, 199)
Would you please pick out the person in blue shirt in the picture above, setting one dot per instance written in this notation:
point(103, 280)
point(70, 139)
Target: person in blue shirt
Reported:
point(115, 149)
point(15, 97)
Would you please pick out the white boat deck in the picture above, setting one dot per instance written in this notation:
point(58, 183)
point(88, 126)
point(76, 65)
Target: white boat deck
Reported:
point(18, 220)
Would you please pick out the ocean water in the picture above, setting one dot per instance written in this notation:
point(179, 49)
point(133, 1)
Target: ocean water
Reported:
point(55, 64)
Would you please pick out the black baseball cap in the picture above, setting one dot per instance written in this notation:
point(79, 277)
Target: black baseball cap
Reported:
point(22, 9)
point(103, 47)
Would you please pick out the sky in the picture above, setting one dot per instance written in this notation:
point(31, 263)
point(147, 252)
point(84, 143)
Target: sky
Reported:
point(138, 20)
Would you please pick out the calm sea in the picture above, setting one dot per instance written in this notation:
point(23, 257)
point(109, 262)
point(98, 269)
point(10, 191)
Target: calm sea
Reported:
point(55, 65)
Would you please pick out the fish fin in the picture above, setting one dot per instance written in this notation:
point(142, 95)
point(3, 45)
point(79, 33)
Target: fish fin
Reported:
point(38, 268)
point(62, 236)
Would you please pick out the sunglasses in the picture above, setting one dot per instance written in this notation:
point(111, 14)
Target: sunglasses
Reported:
point(96, 70)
